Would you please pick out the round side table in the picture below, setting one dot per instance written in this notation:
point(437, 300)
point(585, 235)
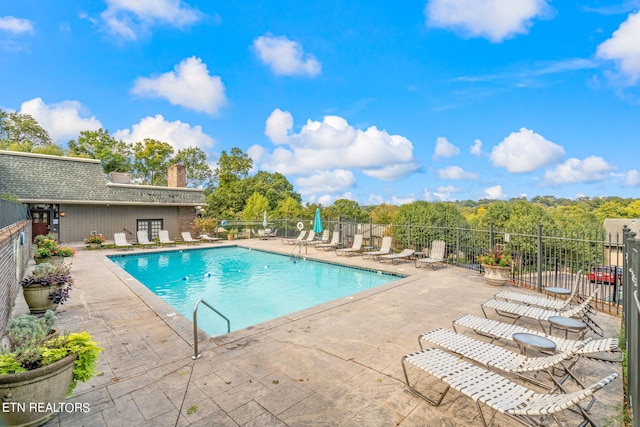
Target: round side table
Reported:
point(556, 292)
point(534, 342)
point(568, 325)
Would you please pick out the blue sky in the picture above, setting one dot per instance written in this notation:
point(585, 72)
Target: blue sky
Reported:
point(374, 101)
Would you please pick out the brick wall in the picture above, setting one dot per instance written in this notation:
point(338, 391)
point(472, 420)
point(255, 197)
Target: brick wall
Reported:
point(15, 250)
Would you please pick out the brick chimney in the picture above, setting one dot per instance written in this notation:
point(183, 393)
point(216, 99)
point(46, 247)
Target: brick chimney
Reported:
point(177, 176)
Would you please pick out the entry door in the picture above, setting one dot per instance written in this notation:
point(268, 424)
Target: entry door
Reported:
point(40, 222)
point(151, 226)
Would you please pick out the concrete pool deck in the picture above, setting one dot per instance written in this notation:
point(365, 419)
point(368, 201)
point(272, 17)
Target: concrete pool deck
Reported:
point(336, 364)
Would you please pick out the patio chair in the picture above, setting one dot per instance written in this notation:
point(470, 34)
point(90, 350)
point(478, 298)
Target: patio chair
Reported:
point(205, 237)
point(405, 255)
point(163, 235)
point(333, 244)
point(603, 349)
point(494, 390)
point(517, 311)
point(143, 239)
point(436, 255)
point(310, 238)
point(323, 239)
point(541, 301)
point(270, 233)
point(296, 240)
point(354, 249)
point(496, 357)
point(186, 238)
point(385, 249)
point(121, 241)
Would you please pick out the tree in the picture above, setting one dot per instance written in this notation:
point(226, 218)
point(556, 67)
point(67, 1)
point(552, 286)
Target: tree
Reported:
point(195, 161)
point(288, 208)
point(151, 160)
point(115, 155)
point(232, 167)
point(23, 130)
point(255, 207)
point(50, 149)
point(346, 208)
point(384, 214)
point(274, 186)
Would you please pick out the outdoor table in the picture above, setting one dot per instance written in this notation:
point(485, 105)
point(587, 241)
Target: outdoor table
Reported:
point(567, 324)
point(534, 342)
point(555, 291)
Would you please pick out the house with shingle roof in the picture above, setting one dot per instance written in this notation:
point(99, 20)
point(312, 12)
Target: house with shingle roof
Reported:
point(73, 197)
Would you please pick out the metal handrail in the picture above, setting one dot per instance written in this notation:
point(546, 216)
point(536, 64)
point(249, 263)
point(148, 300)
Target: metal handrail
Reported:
point(196, 355)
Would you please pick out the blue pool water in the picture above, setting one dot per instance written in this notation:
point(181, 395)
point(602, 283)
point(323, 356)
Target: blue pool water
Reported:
point(247, 286)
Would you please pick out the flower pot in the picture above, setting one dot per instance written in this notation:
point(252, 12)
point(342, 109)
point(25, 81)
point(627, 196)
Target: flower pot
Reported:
point(35, 396)
point(95, 245)
point(496, 275)
point(50, 260)
point(37, 297)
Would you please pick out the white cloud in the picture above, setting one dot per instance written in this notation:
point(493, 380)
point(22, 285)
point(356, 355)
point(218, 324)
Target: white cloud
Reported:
point(189, 86)
point(326, 181)
point(333, 144)
point(591, 169)
point(495, 20)
point(285, 57)
point(444, 148)
point(623, 47)
point(15, 25)
point(442, 193)
point(179, 134)
point(525, 151)
point(61, 120)
point(127, 18)
point(476, 148)
point(632, 178)
point(456, 172)
point(495, 193)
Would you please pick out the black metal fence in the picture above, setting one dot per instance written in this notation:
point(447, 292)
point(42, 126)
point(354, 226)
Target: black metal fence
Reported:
point(631, 316)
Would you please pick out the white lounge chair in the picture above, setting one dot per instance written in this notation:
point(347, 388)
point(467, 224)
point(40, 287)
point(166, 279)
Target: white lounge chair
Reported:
point(323, 239)
point(494, 390)
point(208, 238)
point(495, 329)
point(143, 239)
point(333, 244)
point(121, 241)
point(186, 238)
point(401, 256)
point(385, 249)
point(297, 239)
point(310, 238)
point(163, 235)
point(516, 311)
point(436, 255)
point(538, 300)
point(355, 248)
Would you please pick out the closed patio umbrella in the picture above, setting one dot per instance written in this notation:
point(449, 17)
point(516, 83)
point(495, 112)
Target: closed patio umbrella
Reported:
point(317, 222)
point(264, 220)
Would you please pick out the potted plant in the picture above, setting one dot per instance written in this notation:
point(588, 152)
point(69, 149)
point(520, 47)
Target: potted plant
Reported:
point(497, 265)
point(231, 233)
point(47, 286)
point(94, 241)
point(48, 250)
point(38, 371)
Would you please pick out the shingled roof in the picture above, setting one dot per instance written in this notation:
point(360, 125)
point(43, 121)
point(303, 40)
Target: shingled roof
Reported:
point(38, 178)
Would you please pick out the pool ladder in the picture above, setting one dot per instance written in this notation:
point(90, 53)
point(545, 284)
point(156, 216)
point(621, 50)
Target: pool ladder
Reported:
point(196, 355)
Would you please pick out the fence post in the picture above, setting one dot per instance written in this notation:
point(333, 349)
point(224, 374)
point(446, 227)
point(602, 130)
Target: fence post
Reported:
point(539, 257)
point(492, 237)
point(408, 232)
point(458, 242)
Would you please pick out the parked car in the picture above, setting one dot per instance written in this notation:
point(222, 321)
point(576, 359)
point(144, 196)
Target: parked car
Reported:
point(606, 274)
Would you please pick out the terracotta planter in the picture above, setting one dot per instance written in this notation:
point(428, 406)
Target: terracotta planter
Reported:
point(50, 260)
point(33, 397)
point(37, 297)
point(496, 275)
point(95, 245)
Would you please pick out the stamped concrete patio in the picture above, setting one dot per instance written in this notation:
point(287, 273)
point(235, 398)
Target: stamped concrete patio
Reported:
point(337, 364)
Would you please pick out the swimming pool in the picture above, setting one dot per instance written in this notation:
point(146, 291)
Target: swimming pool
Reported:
point(247, 286)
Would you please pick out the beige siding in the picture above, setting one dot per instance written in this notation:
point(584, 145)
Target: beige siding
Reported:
point(80, 220)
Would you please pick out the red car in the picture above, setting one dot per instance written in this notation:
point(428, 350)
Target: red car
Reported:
point(606, 274)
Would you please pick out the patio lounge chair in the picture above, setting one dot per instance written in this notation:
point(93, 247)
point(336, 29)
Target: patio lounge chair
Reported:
point(538, 300)
point(594, 349)
point(296, 240)
point(495, 357)
point(323, 239)
point(208, 238)
point(516, 311)
point(143, 239)
point(494, 390)
point(354, 249)
point(436, 255)
point(333, 244)
point(310, 238)
point(385, 249)
point(402, 256)
point(121, 241)
point(163, 235)
point(186, 238)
